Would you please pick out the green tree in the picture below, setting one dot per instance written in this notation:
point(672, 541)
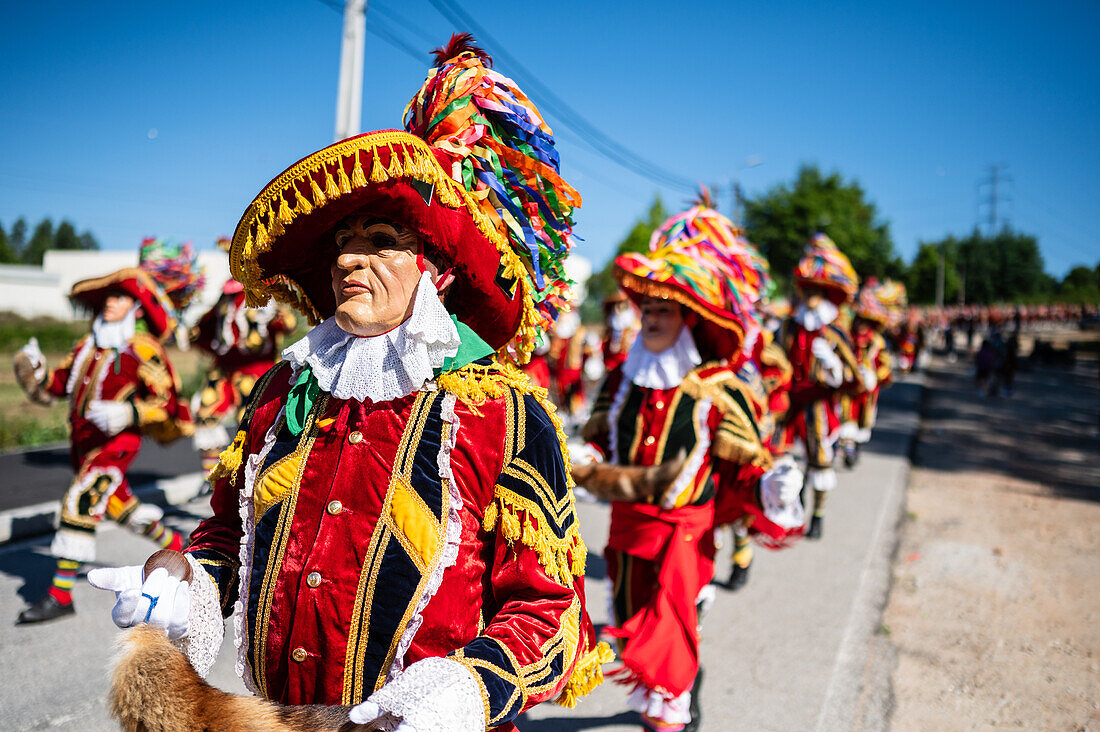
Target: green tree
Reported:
point(7, 254)
point(1080, 286)
point(65, 237)
point(18, 238)
point(783, 219)
point(41, 240)
point(924, 272)
point(602, 283)
point(88, 241)
point(1007, 267)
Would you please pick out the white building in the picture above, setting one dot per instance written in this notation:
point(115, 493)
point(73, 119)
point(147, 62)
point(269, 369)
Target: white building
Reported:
point(43, 291)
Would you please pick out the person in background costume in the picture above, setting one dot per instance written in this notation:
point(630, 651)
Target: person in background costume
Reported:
point(175, 268)
point(680, 432)
point(120, 386)
point(871, 316)
point(823, 364)
point(767, 372)
point(244, 343)
point(620, 319)
point(567, 356)
point(394, 528)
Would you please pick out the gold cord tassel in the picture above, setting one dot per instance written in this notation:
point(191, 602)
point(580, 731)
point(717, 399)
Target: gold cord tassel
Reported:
point(318, 195)
point(342, 175)
point(331, 189)
point(357, 178)
point(377, 172)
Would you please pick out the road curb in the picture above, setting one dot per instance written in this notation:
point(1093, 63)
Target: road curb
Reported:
point(849, 694)
point(27, 522)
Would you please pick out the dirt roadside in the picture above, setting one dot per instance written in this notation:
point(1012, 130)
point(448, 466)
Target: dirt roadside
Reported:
point(993, 620)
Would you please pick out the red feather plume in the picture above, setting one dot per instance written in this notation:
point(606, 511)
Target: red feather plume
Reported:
point(461, 43)
point(703, 197)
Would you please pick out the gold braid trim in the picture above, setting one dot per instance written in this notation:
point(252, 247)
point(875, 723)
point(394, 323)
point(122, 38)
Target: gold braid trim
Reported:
point(411, 158)
point(586, 676)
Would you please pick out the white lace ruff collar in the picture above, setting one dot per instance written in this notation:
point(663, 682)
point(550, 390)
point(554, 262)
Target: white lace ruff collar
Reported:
point(663, 370)
point(116, 335)
point(384, 367)
point(816, 318)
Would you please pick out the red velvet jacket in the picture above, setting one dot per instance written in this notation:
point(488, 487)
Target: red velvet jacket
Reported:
point(386, 533)
point(140, 374)
point(252, 344)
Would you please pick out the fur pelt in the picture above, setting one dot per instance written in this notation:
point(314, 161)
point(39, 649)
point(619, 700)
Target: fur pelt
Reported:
point(154, 689)
point(24, 374)
point(628, 482)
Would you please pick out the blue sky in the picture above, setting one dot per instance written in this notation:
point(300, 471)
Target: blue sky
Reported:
point(914, 100)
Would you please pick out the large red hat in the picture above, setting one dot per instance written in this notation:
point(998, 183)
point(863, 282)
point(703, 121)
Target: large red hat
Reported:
point(699, 259)
point(92, 293)
point(475, 177)
point(824, 265)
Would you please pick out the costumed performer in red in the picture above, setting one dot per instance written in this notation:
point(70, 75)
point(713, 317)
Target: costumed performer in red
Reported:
point(244, 343)
point(871, 316)
point(394, 528)
point(681, 434)
point(823, 364)
point(766, 371)
point(120, 386)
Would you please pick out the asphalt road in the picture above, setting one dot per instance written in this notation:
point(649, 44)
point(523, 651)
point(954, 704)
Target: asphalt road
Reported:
point(43, 474)
point(788, 652)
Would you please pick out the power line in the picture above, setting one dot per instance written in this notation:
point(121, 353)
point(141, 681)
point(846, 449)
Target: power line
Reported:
point(590, 134)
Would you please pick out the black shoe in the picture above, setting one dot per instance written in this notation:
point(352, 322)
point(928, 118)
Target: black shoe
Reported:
point(694, 709)
point(48, 608)
point(814, 532)
point(738, 577)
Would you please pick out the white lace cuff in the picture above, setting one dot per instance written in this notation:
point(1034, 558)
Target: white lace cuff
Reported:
point(205, 625)
point(431, 695)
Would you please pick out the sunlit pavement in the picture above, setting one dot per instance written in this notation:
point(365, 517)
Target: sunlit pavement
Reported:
point(786, 652)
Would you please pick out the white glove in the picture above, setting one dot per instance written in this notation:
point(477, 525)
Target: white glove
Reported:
point(38, 361)
point(160, 600)
point(832, 370)
point(431, 695)
point(110, 417)
point(780, 491)
point(867, 375)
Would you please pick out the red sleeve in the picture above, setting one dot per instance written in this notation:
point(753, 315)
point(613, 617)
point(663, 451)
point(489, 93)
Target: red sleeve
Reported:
point(57, 381)
point(539, 643)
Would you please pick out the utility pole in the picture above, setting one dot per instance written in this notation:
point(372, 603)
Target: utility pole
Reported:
point(349, 93)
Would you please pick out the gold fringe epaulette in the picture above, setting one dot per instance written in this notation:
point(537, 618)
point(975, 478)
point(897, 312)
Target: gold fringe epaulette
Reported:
point(475, 384)
point(586, 676)
point(521, 520)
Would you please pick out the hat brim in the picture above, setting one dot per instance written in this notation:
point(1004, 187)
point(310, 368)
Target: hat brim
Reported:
point(92, 293)
point(717, 334)
point(283, 246)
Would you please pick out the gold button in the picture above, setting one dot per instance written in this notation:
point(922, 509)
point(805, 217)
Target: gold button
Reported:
point(313, 579)
point(659, 405)
point(334, 507)
point(355, 437)
point(650, 440)
point(299, 654)
point(688, 537)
